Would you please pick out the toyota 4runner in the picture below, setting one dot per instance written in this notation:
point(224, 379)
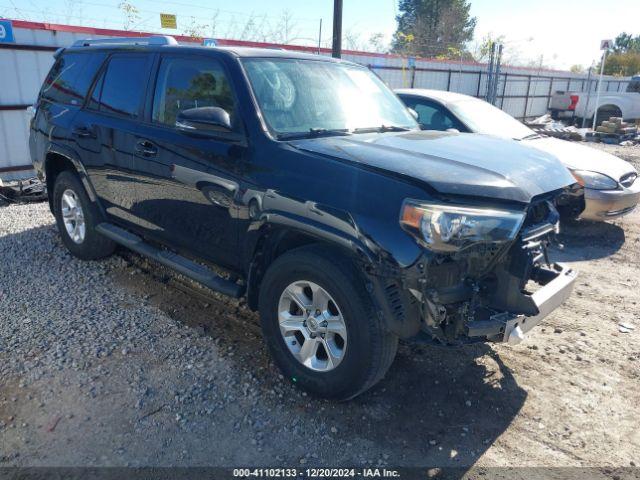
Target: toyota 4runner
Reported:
point(303, 184)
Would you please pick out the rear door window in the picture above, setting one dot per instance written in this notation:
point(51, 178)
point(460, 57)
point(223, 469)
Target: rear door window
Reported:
point(122, 88)
point(71, 76)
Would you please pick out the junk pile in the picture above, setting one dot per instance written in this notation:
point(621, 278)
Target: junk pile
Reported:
point(615, 131)
point(19, 191)
point(545, 125)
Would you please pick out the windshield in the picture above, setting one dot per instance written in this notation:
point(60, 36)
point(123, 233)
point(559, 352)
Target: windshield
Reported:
point(482, 117)
point(316, 96)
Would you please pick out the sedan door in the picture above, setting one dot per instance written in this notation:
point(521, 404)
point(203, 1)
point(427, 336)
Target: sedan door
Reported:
point(186, 180)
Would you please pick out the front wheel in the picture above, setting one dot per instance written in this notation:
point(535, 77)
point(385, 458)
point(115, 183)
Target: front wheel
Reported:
point(320, 325)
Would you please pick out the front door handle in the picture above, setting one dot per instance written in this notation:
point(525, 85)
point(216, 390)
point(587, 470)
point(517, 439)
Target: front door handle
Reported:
point(146, 148)
point(83, 132)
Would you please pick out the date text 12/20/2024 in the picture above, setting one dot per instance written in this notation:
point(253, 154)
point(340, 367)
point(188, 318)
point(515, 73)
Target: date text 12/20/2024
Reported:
point(316, 473)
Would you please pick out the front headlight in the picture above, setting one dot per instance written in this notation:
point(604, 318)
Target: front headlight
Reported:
point(448, 228)
point(595, 180)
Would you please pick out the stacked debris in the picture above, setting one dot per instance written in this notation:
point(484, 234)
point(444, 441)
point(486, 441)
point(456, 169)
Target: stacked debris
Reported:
point(545, 125)
point(29, 190)
point(615, 131)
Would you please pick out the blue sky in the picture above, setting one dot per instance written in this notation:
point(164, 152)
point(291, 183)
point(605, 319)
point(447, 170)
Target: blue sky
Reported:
point(565, 32)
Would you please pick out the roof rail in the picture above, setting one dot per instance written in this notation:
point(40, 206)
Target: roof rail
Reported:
point(152, 40)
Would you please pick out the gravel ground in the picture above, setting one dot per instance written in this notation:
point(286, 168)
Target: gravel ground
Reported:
point(119, 362)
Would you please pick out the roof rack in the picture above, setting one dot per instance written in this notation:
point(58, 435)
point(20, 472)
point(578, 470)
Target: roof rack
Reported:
point(152, 40)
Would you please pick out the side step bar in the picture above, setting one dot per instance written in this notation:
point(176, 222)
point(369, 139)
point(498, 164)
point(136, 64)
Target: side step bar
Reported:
point(172, 260)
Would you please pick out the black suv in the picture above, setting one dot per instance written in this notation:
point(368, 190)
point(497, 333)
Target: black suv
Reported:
point(304, 184)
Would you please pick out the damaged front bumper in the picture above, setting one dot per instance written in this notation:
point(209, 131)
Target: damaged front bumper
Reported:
point(489, 292)
point(511, 328)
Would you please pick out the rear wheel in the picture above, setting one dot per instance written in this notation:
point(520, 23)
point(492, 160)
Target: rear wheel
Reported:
point(320, 325)
point(77, 218)
point(605, 113)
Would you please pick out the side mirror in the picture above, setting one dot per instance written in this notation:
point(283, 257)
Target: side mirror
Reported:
point(453, 130)
point(204, 119)
point(413, 113)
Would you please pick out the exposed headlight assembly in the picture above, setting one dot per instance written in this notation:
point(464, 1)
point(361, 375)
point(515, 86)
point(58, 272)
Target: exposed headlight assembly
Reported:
point(595, 180)
point(448, 228)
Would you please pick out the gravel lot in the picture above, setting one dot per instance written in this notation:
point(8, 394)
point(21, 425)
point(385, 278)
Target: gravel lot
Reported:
point(120, 363)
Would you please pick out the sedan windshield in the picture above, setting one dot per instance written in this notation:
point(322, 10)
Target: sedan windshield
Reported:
point(482, 117)
point(319, 97)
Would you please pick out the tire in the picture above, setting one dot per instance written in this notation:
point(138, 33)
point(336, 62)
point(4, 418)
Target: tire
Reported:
point(87, 243)
point(368, 349)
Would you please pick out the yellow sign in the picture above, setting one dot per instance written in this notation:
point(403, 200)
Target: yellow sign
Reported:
point(168, 20)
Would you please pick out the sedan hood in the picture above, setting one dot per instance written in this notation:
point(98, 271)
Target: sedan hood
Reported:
point(452, 163)
point(580, 157)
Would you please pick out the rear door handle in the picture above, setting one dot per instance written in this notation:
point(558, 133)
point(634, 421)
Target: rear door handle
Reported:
point(146, 148)
point(83, 132)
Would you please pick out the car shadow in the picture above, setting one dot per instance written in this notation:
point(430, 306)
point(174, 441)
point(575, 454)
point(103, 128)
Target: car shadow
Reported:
point(587, 240)
point(441, 407)
point(435, 407)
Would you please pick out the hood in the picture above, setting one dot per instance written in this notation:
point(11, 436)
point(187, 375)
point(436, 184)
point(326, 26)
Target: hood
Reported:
point(580, 157)
point(452, 163)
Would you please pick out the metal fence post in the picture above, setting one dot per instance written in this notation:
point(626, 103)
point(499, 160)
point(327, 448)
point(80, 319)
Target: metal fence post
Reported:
point(413, 76)
point(550, 92)
point(526, 99)
point(449, 81)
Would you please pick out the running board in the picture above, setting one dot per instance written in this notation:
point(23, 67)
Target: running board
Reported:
point(190, 269)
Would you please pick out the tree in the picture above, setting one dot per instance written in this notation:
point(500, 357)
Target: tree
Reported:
point(377, 43)
point(624, 58)
point(431, 28)
point(131, 14)
point(195, 30)
point(577, 68)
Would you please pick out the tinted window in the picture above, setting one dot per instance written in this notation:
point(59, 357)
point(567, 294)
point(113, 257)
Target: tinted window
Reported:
point(185, 83)
point(431, 116)
point(123, 85)
point(634, 86)
point(71, 76)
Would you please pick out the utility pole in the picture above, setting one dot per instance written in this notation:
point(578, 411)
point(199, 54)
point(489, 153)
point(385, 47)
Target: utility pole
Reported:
point(595, 114)
point(320, 37)
point(586, 107)
point(336, 50)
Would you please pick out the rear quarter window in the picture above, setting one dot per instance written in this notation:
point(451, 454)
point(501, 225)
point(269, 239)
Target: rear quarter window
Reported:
point(71, 76)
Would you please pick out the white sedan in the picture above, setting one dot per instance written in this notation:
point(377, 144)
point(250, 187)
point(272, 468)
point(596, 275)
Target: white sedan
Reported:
point(610, 186)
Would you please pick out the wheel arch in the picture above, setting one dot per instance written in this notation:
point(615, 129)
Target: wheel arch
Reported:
point(59, 159)
point(607, 107)
point(274, 241)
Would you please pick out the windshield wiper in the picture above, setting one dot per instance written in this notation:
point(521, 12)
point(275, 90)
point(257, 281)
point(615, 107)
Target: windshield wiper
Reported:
point(312, 133)
point(381, 129)
point(531, 136)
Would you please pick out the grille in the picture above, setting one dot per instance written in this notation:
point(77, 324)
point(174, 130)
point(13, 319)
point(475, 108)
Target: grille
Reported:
point(628, 179)
point(395, 301)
